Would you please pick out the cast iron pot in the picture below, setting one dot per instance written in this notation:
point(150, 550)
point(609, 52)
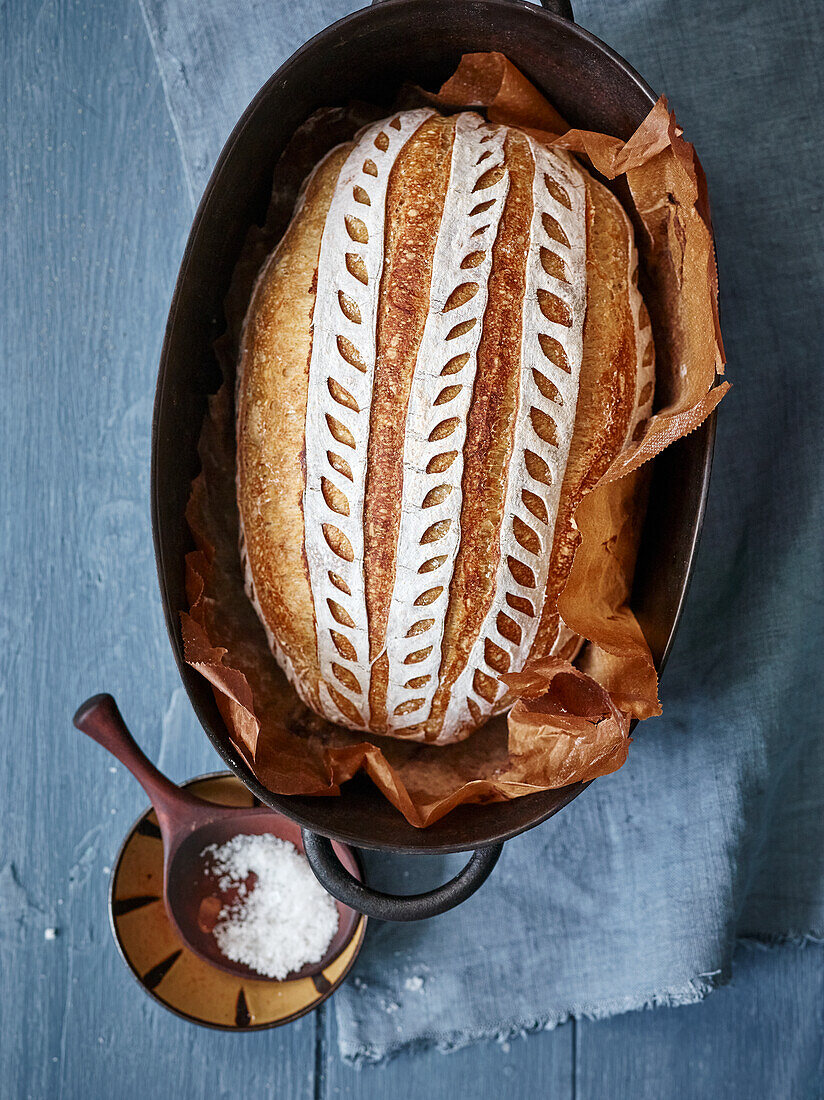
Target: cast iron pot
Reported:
point(367, 56)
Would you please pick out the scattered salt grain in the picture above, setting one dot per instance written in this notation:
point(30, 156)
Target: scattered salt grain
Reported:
point(414, 984)
point(281, 922)
point(50, 933)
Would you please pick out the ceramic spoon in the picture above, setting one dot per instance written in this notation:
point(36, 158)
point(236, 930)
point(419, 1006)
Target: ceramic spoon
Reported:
point(189, 825)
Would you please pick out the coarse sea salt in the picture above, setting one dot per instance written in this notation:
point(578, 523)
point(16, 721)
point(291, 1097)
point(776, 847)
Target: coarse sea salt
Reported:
point(282, 922)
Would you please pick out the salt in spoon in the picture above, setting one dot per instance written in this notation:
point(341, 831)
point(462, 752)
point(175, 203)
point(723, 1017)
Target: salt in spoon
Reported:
point(189, 825)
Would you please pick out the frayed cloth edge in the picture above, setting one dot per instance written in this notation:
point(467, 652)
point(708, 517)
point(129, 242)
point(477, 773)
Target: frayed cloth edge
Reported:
point(768, 940)
point(360, 1055)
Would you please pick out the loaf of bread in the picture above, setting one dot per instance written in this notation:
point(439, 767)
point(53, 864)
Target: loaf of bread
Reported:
point(442, 355)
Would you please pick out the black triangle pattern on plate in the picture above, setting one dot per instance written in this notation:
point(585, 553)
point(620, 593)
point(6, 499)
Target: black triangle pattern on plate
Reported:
point(121, 906)
point(156, 975)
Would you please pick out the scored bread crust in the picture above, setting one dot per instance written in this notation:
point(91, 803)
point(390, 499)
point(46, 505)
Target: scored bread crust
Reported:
point(441, 357)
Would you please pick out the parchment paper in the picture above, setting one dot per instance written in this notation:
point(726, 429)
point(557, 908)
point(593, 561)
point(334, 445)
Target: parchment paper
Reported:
point(569, 723)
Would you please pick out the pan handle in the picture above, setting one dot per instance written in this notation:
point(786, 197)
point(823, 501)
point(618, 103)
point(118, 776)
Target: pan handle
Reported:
point(334, 877)
point(557, 7)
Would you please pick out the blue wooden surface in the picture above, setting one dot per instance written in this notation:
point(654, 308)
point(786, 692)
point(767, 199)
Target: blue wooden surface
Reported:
point(96, 212)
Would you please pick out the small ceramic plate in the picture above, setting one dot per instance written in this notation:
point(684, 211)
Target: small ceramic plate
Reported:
point(169, 972)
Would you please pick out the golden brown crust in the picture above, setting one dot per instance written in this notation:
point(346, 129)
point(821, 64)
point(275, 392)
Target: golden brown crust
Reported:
point(606, 394)
point(271, 402)
point(414, 206)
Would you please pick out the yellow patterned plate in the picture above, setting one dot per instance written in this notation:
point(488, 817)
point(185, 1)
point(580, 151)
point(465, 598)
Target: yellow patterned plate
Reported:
point(169, 972)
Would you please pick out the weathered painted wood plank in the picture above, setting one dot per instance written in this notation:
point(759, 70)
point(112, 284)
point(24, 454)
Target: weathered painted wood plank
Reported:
point(95, 218)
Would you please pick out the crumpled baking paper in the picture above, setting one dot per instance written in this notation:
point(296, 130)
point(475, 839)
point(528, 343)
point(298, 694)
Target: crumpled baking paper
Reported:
point(569, 724)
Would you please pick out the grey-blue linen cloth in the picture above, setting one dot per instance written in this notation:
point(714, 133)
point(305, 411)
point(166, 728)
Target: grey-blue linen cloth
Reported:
point(714, 829)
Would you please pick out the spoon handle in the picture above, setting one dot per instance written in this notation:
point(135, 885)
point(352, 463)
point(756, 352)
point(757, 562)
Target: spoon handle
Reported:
point(100, 719)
